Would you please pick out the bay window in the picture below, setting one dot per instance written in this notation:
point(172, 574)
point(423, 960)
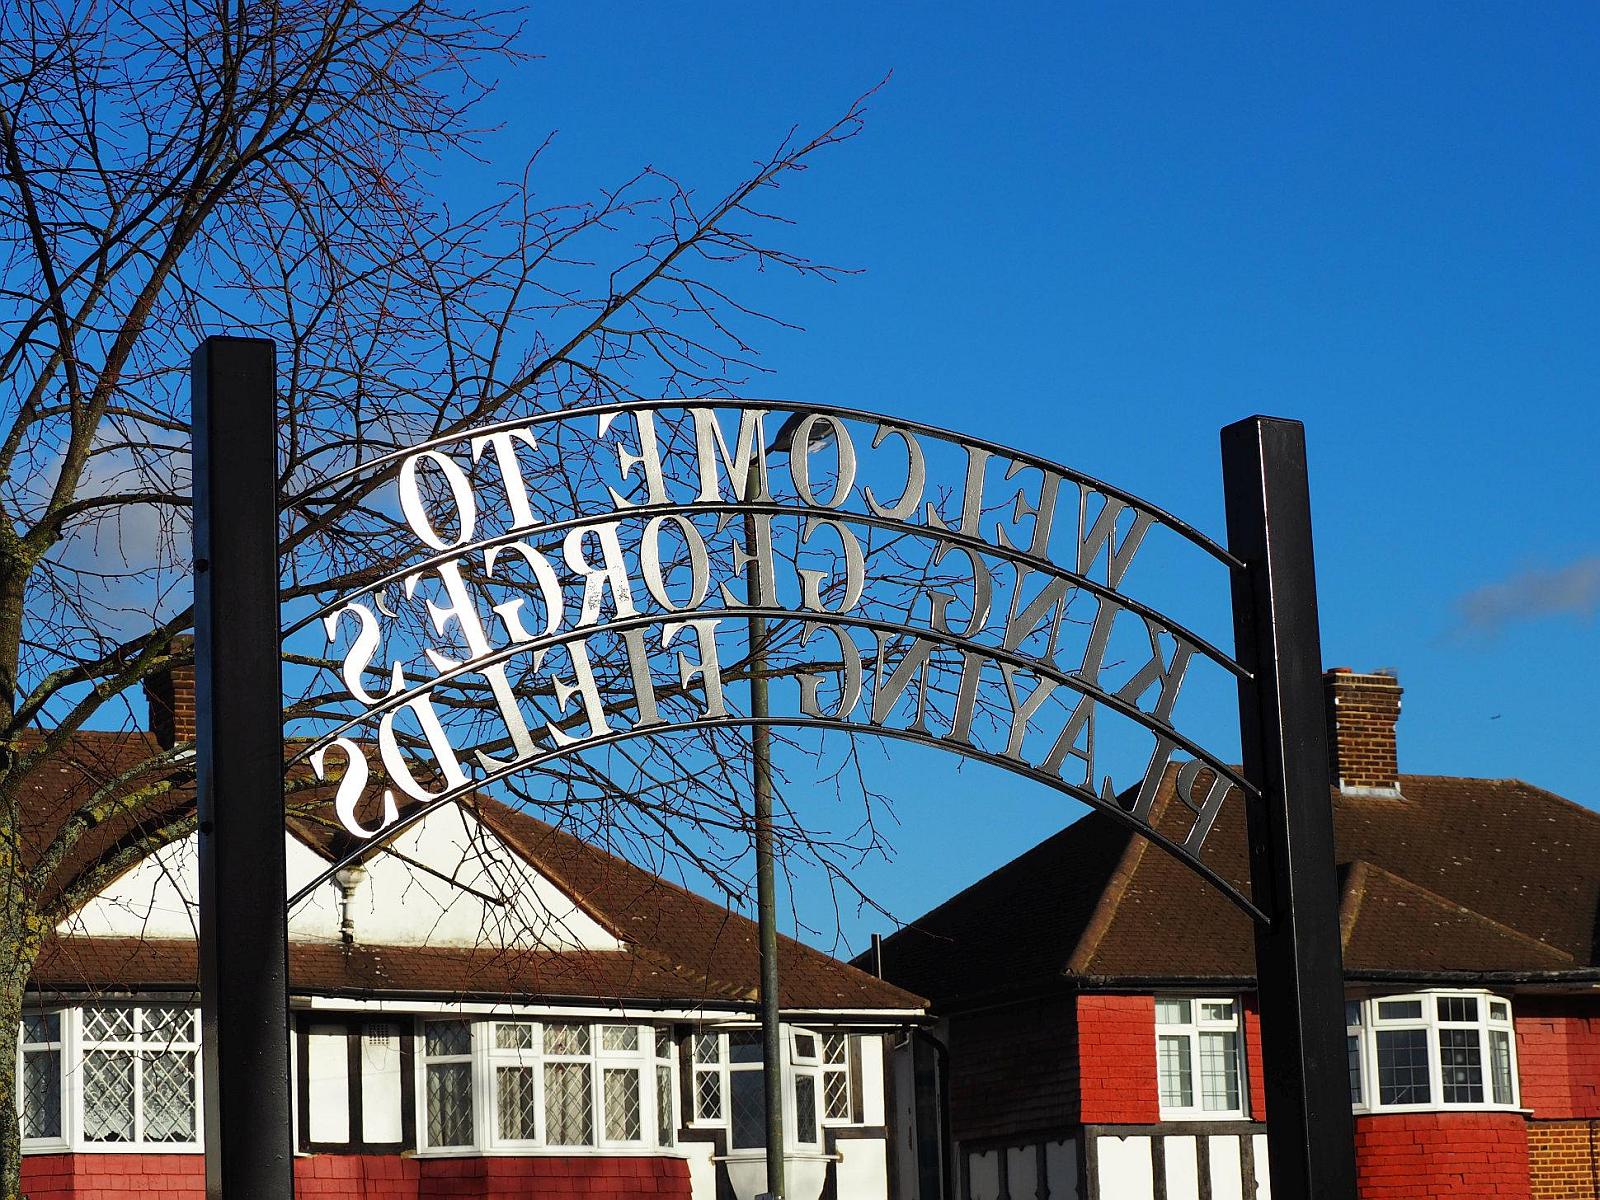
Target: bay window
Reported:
point(1432, 1050)
point(553, 1084)
point(1199, 1057)
point(728, 1086)
point(111, 1077)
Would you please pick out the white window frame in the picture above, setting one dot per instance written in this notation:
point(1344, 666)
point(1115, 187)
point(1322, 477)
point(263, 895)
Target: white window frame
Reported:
point(477, 1082)
point(842, 1068)
point(1495, 1016)
point(61, 1044)
point(1191, 1032)
point(487, 1058)
point(1355, 1026)
point(795, 1065)
point(82, 1046)
point(805, 1067)
point(668, 1121)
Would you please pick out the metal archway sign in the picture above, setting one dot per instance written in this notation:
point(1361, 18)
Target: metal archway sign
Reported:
point(1021, 640)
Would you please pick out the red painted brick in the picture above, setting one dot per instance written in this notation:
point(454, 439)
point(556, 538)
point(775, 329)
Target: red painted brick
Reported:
point(1430, 1156)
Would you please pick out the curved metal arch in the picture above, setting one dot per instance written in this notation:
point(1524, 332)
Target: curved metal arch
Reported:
point(976, 545)
point(952, 641)
point(1228, 890)
point(842, 412)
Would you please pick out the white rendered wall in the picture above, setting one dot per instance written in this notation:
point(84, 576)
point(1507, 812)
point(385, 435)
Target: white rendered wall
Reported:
point(462, 886)
point(407, 903)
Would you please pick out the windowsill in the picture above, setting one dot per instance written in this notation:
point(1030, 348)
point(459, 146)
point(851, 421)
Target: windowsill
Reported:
point(550, 1152)
point(1200, 1118)
point(789, 1156)
point(114, 1148)
point(1411, 1110)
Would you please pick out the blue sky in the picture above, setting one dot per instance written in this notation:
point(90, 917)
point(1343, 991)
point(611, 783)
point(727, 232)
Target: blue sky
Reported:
point(1103, 232)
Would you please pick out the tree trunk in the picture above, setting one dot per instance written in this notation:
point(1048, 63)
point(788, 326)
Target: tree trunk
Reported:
point(19, 949)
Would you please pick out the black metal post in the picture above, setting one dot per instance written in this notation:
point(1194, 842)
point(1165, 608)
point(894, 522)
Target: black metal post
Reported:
point(244, 972)
point(1299, 973)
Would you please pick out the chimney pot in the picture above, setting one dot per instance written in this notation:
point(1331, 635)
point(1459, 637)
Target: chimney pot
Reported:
point(1362, 748)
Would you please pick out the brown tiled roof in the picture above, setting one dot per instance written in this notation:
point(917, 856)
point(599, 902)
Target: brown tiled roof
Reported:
point(686, 930)
point(1458, 876)
point(117, 964)
point(679, 947)
point(89, 762)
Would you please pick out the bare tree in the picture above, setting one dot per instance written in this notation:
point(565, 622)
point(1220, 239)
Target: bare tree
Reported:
point(174, 168)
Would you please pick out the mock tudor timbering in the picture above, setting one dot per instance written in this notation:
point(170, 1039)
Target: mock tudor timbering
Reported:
point(1362, 711)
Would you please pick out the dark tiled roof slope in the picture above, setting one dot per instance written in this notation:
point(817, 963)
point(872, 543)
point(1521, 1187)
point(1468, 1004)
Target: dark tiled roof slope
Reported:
point(679, 947)
point(1454, 876)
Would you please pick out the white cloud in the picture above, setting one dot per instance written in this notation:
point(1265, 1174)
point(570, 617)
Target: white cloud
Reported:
point(1572, 590)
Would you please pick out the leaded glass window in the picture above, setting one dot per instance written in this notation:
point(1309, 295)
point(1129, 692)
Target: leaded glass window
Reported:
point(447, 1051)
point(39, 1076)
point(139, 1075)
point(707, 1051)
point(569, 1109)
point(516, 1103)
point(623, 1104)
point(514, 1061)
point(666, 1127)
point(728, 1087)
point(747, 1108)
point(836, 1077)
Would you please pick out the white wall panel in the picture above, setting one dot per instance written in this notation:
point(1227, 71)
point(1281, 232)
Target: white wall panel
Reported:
point(863, 1168)
point(1263, 1183)
point(381, 1120)
point(1227, 1168)
point(328, 1084)
point(872, 1080)
point(1126, 1172)
point(1183, 1167)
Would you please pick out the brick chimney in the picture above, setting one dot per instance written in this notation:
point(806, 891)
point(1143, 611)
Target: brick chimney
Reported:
point(1362, 711)
point(171, 697)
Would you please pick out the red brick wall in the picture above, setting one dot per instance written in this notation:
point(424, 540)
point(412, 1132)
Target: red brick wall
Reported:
point(352, 1176)
point(1362, 711)
point(1117, 1060)
point(1431, 1156)
point(1564, 1160)
point(113, 1176)
point(556, 1178)
point(1252, 1054)
point(349, 1177)
point(1013, 1070)
point(1558, 1056)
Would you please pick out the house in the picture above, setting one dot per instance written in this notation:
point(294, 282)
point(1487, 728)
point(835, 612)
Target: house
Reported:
point(1102, 1037)
point(494, 1007)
